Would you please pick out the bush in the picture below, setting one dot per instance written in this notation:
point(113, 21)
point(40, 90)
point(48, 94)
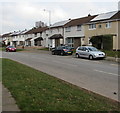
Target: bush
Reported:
point(102, 42)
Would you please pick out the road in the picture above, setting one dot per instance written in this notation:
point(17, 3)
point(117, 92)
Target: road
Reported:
point(98, 76)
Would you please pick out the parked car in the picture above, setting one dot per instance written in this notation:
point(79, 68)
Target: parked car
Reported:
point(62, 50)
point(89, 52)
point(10, 49)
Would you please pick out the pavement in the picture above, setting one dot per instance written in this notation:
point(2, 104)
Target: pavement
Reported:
point(7, 102)
point(113, 59)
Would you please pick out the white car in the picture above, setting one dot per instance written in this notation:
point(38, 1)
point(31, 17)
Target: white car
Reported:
point(89, 52)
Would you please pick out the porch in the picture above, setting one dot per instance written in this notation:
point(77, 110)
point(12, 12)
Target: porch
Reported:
point(56, 40)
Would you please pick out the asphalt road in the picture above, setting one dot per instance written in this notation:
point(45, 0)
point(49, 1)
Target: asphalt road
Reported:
point(98, 76)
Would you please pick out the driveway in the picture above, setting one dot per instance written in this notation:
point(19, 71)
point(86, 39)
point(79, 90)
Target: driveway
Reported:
point(98, 76)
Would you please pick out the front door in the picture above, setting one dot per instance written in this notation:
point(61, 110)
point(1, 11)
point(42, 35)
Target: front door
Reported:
point(77, 42)
point(57, 42)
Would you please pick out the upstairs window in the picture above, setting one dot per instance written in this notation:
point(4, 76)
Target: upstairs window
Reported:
point(35, 34)
point(58, 29)
point(108, 25)
point(51, 31)
point(92, 26)
point(79, 28)
point(68, 29)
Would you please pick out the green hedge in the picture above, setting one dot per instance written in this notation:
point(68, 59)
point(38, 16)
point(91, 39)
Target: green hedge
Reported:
point(102, 42)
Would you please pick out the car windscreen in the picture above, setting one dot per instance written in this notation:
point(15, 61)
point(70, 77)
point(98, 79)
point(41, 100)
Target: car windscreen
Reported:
point(11, 47)
point(68, 47)
point(92, 49)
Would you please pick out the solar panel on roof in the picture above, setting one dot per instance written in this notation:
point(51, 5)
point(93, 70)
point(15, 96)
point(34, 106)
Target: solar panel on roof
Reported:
point(60, 23)
point(104, 16)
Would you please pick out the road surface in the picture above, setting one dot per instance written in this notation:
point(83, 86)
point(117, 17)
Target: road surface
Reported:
point(98, 76)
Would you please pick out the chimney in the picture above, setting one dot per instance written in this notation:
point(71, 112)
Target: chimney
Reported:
point(89, 15)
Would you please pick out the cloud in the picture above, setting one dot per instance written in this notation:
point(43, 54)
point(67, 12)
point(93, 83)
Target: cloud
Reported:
point(59, 1)
point(23, 14)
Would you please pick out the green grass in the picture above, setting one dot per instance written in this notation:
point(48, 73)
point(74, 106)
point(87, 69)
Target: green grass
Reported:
point(20, 50)
point(36, 91)
point(45, 49)
point(0, 69)
point(2, 49)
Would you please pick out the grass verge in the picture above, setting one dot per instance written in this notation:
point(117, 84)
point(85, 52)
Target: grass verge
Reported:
point(36, 91)
point(45, 49)
point(0, 69)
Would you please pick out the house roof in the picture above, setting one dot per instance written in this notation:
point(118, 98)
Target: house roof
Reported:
point(80, 21)
point(59, 24)
point(28, 39)
point(36, 30)
point(38, 39)
point(107, 16)
point(6, 35)
point(116, 16)
point(15, 33)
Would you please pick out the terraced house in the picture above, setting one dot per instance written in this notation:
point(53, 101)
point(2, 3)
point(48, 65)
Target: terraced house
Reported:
point(34, 36)
point(74, 33)
point(103, 31)
point(56, 33)
point(6, 38)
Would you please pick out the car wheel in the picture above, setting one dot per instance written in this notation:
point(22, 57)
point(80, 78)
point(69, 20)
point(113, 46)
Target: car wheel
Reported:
point(77, 55)
point(53, 53)
point(62, 53)
point(91, 57)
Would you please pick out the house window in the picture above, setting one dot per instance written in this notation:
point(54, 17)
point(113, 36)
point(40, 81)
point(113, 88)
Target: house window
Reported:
point(35, 34)
point(79, 27)
point(68, 29)
point(99, 26)
point(70, 42)
point(51, 30)
point(92, 26)
point(58, 29)
point(108, 25)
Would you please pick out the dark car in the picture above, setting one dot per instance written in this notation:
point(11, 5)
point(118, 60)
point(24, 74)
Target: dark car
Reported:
point(62, 50)
point(10, 49)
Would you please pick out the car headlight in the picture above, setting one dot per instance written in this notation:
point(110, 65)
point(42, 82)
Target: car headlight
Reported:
point(95, 54)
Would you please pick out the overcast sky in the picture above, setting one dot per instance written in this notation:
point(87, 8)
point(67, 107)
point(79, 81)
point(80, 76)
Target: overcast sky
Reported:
point(19, 15)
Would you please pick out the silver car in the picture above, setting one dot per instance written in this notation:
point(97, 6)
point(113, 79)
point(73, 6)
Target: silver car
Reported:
point(89, 52)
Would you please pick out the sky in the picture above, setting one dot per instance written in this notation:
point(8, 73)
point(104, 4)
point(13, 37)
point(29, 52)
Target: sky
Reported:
point(22, 14)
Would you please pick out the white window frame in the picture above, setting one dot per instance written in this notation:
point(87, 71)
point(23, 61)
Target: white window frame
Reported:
point(92, 26)
point(108, 25)
point(79, 27)
point(68, 29)
point(70, 42)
